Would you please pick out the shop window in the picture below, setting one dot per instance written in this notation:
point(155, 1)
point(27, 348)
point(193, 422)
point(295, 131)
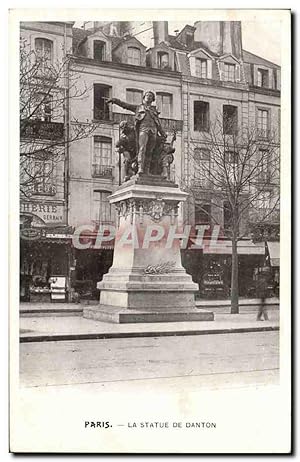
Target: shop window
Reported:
point(43, 177)
point(229, 72)
point(134, 56)
point(202, 214)
point(101, 95)
point(164, 104)
point(44, 53)
point(230, 119)
point(102, 212)
point(134, 96)
point(263, 78)
point(201, 68)
point(201, 116)
point(102, 159)
point(163, 60)
point(99, 50)
point(262, 123)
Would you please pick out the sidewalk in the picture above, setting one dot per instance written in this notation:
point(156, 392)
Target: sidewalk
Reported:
point(59, 328)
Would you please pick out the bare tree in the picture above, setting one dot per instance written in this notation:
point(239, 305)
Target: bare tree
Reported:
point(46, 130)
point(239, 170)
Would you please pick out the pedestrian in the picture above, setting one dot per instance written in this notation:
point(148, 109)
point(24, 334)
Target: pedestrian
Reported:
point(262, 288)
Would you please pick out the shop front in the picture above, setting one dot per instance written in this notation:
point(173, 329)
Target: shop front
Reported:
point(45, 251)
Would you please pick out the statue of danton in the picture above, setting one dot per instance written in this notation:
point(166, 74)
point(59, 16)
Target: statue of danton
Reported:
point(144, 146)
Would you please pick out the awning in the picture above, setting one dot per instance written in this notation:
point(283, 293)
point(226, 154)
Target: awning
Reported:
point(274, 253)
point(246, 247)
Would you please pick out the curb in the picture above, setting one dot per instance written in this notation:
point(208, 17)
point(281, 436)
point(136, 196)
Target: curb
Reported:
point(112, 335)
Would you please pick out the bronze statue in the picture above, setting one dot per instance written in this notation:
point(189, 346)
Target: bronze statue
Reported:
point(126, 145)
point(147, 127)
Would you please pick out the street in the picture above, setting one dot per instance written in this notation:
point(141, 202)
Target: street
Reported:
point(198, 361)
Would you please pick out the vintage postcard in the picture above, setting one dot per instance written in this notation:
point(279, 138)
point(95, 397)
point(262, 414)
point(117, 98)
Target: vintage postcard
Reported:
point(150, 174)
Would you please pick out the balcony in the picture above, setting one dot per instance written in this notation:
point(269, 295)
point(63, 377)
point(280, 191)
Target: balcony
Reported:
point(102, 171)
point(262, 134)
point(167, 124)
point(39, 129)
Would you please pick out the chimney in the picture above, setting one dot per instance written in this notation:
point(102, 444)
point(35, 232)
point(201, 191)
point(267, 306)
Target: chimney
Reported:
point(160, 32)
point(220, 37)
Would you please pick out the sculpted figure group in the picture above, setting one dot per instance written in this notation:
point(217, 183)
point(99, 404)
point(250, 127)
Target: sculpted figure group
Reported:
point(144, 146)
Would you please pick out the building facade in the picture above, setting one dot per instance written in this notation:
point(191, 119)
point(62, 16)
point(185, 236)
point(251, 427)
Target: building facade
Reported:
point(198, 75)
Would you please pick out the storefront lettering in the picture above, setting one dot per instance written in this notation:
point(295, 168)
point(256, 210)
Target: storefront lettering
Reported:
point(48, 212)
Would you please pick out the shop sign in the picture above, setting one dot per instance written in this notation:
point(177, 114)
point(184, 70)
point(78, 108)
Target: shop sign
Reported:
point(49, 213)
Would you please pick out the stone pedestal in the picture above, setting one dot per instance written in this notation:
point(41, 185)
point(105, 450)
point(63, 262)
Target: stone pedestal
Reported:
point(147, 282)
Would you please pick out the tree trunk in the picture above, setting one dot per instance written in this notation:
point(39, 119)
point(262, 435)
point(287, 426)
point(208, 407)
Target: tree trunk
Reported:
point(234, 277)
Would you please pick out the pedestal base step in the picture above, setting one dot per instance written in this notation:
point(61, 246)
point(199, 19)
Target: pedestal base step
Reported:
point(121, 316)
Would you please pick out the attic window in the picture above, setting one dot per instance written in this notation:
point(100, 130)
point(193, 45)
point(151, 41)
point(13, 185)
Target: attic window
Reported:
point(229, 72)
point(134, 56)
point(163, 60)
point(99, 50)
point(201, 68)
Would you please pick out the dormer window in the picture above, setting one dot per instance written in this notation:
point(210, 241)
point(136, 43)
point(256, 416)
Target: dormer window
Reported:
point(229, 72)
point(201, 68)
point(262, 78)
point(99, 50)
point(134, 56)
point(163, 60)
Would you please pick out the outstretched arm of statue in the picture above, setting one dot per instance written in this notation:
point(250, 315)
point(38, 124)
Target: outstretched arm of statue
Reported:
point(123, 104)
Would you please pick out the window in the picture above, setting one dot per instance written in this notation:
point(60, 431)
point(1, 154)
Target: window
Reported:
point(163, 60)
point(263, 78)
point(264, 200)
point(264, 165)
point(227, 216)
point(134, 56)
point(102, 160)
point(44, 53)
point(164, 104)
point(201, 167)
point(43, 177)
point(262, 123)
point(201, 116)
point(229, 72)
point(201, 68)
point(43, 106)
point(202, 214)
point(101, 108)
point(231, 157)
point(230, 119)
point(134, 96)
point(99, 50)
point(102, 212)
point(274, 79)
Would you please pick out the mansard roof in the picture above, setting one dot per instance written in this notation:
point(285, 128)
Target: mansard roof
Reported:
point(251, 58)
point(126, 39)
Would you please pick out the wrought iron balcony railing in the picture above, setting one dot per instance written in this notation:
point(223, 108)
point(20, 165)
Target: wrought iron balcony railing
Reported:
point(102, 171)
point(41, 130)
point(167, 124)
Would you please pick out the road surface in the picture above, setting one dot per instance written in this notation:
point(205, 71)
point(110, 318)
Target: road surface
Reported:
point(197, 361)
